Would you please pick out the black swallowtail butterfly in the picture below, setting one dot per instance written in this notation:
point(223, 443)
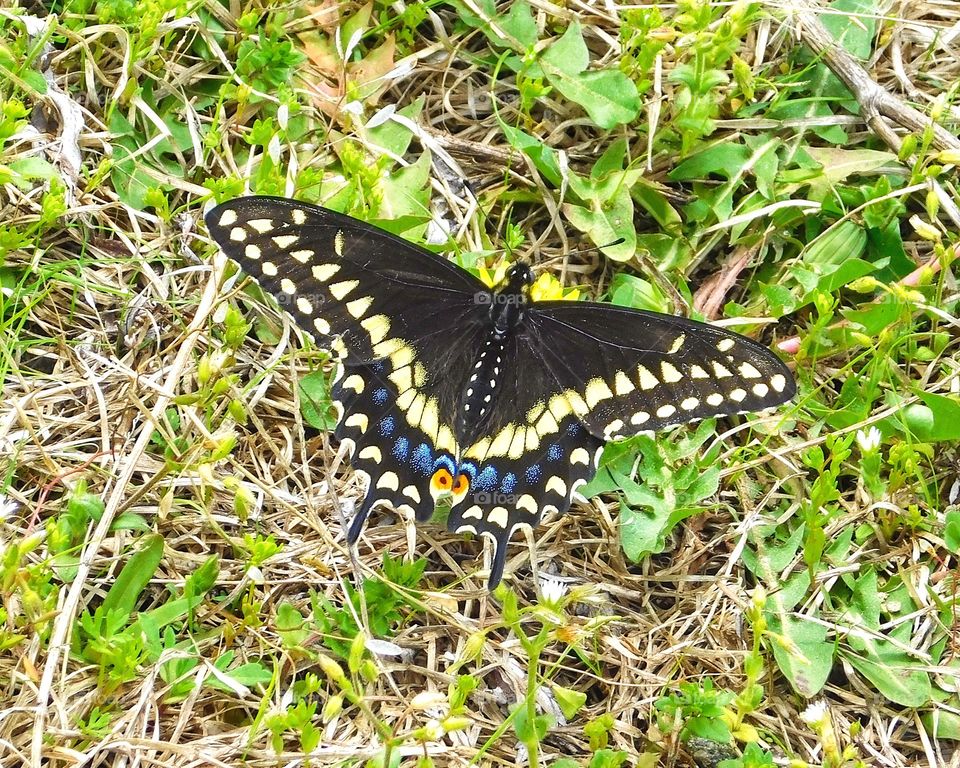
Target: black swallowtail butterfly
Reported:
point(447, 388)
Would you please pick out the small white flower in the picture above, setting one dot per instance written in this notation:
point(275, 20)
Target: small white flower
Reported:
point(255, 575)
point(869, 440)
point(552, 590)
point(7, 507)
point(815, 713)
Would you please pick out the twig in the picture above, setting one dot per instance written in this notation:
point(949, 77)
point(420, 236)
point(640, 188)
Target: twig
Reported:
point(875, 101)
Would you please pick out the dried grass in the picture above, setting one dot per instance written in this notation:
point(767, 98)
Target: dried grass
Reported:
point(125, 309)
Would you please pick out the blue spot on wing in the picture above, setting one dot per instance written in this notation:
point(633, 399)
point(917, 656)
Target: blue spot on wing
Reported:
point(380, 396)
point(554, 452)
point(533, 473)
point(487, 479)
point(401, 449)
point(469, 469)
point(387, 426)
point(508, 483)
point(422, 459)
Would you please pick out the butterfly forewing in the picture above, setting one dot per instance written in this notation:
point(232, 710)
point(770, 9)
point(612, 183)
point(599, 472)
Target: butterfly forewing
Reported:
point(628, 371)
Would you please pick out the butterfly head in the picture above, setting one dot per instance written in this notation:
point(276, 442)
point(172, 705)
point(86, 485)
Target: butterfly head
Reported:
point(518, 279)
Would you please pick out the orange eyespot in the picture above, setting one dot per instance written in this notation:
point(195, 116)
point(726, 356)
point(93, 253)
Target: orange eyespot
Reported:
point(442, 480)
point(463, 483)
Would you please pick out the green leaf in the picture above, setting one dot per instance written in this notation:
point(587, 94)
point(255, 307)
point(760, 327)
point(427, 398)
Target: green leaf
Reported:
point(134, 576)
point(723, 159)
point(570, 701)
point(853, 23)
point(951, 531)
point(937, 420)
point(609, 97)
point(544, 157)
point(605, 222)
point(898, 677)
point(316, 405)
point(130, 182)
point(568, 55)
point(802, 653)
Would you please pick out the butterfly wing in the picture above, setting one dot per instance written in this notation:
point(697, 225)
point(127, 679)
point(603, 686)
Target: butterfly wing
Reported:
point(590, 373)
point(628, 371)
point(400, 319)
point(342, 278)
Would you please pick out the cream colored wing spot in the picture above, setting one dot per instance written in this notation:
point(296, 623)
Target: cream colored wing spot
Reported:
point(446, 441)
point(252, 252)
point(748, 371)
point(596, 392)
point(696, 372)
point(666, 411)
point(475, 511)
point(358, 307)
point(378, 326)
point(640, 417)
point(354, 382)
point(388, 348)
point(724, 345)
point(760, 390)
point(498, 516)
point(527, 503)
point(229, 218)
point(778, 382)
point(403, 355)
point(324, 272)
point(288, 286)
point(261, 225)
point(322, 326)
point(532, 441)
point(402, 378)
point(714, 399)
point(430, 420)
point(535, 412)
point(647, 379)
point(405, 400)
point(285, 241)
point(547, 424)
point(303, 255)
point(557, 485)
point(517, 444)
point(670, 374)
point(305, 306)
point(298, 216)
point(341, 289)
point(612, 429)
point(238, 234)
point(415, 413)
point(338, 243)
point(371, 452)
point(677, 343)
point(358, 420)
point(419, 374)
point(690, 403)
point(269, 269)
point(559, 407)
point(622, 384)
point(388, 480)
point(719, 371)
point(738, 395)
point(411, 492)
point(500, 444)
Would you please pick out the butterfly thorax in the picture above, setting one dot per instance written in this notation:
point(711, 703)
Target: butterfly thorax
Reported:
point(507, 306)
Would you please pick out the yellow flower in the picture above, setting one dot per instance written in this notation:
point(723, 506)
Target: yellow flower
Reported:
point(548, 288)
point(493, 278)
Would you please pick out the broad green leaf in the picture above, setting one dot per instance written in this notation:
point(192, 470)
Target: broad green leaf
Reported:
point(129, 180)
point(609, 97)
point(802, 653)
point(407, 193)
point(393, 136)
point(723, 159)
point(32, 168)
point(568, 55)
point(942, 723)
point(543, 156)
point(635, 292)
point(936, 420)
point(853, 23)
point(606, 222)
point(515, 30)
point(316, 406)
point(650, 196)
point(896, 676)
point(951, 531)
point(838, 164)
